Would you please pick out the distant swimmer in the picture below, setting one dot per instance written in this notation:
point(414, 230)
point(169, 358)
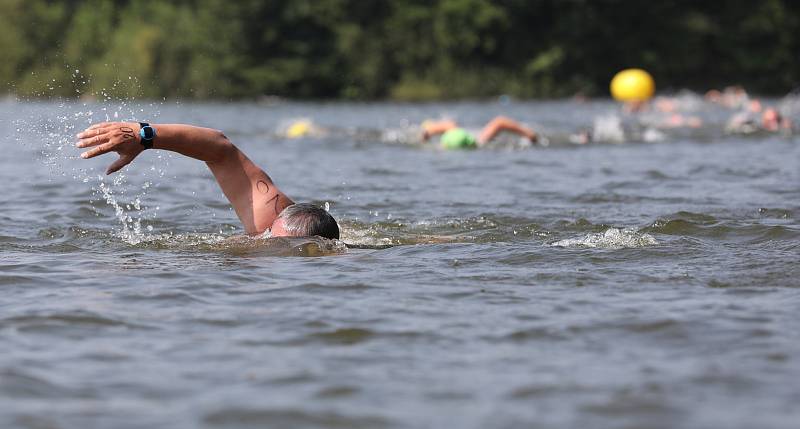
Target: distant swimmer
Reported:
point(301, 128)
point(455, 137)
point(757, 118)
point(732, 97)
point(259, 204)
point(666, 117)
point(773, 121)
point(664, 112)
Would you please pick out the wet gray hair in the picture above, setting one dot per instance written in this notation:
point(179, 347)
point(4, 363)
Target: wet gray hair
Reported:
point(306, 220)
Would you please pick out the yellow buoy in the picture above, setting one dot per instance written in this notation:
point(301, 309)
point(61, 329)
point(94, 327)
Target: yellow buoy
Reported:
point(299, 129)
point(632, 85)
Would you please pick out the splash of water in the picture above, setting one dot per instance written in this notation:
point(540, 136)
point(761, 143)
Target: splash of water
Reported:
point(131, 230)
point(53, 136)
point(608, 129)
point(612, 238)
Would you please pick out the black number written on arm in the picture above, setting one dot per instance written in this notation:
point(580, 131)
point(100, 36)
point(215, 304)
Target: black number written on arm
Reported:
point(275, 200)
point(262, 186)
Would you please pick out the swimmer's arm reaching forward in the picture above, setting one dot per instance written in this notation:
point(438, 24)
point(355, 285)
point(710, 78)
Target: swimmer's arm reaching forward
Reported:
point(431, 128)
point(500, 124)
point(249, 189)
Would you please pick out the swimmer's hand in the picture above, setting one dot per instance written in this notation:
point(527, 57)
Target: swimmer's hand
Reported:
point(120, 137)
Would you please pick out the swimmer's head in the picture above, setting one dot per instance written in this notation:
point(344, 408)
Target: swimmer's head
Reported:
point(458, 138)
point(299, 129)
point(771, 120)
point(754, 106)
point(305, 220)
point(713, 96)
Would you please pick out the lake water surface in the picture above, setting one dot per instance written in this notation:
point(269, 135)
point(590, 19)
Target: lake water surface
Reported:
point(646, 285)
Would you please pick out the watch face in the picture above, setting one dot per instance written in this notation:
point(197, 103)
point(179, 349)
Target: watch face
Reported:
point(147, 132)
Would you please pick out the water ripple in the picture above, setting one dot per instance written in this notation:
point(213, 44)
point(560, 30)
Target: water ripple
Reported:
point(293, 417)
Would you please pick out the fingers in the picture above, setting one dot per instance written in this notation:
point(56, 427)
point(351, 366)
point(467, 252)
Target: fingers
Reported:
point(93, 140)
point(100, 129)
point(118, 164)
point(105, 137)
point(94, 130)
point(99, 150)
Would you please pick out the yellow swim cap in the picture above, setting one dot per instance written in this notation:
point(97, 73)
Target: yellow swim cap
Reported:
point(632, 85)
point(299, 129)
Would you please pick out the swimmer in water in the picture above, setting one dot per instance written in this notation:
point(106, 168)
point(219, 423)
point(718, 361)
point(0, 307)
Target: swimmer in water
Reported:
point(732, 97)
point(454, 137)
point(773, 121)
point(663, 113)
point(259, 204)
point(757, 118)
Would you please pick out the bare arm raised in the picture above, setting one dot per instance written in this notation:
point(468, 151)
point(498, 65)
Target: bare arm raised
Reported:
point(434, 128)
point(501, 123)
point(255, 198)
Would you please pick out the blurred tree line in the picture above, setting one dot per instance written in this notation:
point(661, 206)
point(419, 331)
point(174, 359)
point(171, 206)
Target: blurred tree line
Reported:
point(401, 49)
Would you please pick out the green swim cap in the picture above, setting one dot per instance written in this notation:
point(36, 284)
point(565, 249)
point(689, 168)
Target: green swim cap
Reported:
point(458, 138)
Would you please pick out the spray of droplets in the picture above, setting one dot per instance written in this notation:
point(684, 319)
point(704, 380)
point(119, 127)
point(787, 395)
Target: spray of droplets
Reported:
point(53, 138)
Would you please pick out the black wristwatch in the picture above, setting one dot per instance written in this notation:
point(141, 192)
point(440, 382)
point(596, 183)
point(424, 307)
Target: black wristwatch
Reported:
point(148, 134)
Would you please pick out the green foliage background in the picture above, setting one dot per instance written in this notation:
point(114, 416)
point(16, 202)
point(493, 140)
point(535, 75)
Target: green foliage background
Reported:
point(400, 49)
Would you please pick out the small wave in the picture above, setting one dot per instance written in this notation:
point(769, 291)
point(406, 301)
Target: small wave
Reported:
point(612, 238)
point(239, 245)
point(480, 229)
point(345, 336)
point(65, 320)
point(167, 240)
point(688, 223)
point(282, 246)
point(260, 417)
point(71, 239)
point(381, 235)
point(776, 213)
point(17, 383)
